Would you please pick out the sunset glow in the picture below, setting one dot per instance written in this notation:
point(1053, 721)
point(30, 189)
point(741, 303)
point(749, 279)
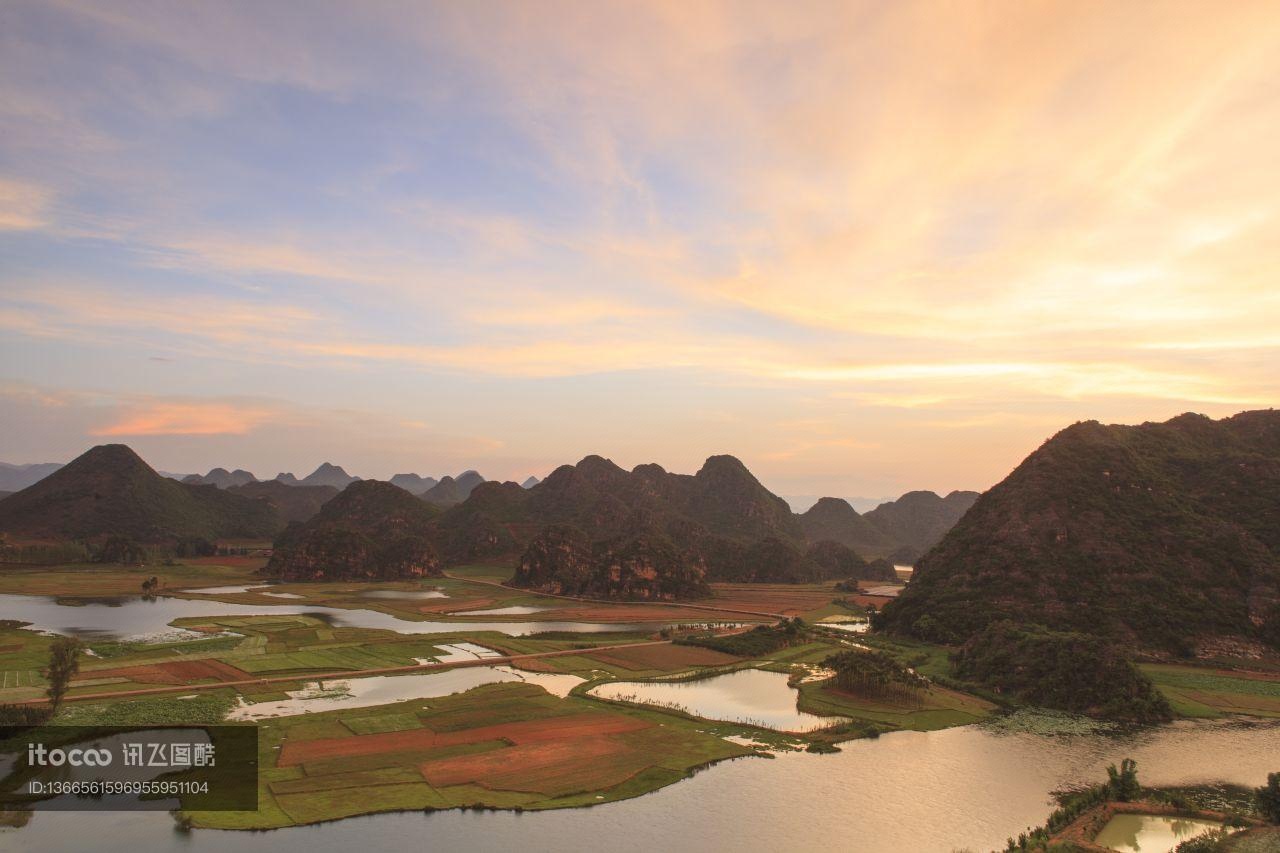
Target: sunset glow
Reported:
point(864, 247)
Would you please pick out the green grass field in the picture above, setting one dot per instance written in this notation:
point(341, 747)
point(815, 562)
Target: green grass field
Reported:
point(1200, 692)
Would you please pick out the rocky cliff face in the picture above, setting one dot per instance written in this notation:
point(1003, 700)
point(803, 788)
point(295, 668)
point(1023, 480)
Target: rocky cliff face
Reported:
point(370, 531)
point(563, 561)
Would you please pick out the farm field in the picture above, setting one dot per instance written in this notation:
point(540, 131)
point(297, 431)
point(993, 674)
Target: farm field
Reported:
point(1203, 692)
point(509, 744)
point(95, 579)
point(497, 746)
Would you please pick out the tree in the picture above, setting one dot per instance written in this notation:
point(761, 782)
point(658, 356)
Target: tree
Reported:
point(64, 663)
point(873, 673)
point(1268, 798)
point(1123, 783)
point(121, 549)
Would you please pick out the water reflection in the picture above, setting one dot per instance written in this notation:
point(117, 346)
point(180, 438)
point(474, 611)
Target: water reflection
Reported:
point(925, 792)
point(1139, 833)
point(346, 693)
point(134, 618)
point(751, 696)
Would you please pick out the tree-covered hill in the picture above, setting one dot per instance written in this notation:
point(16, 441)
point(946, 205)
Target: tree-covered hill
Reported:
point(371, 531)
point(110, 491)
point(1163, 535)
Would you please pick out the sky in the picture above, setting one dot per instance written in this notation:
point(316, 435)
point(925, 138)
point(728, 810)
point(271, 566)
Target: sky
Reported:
point(864, 247)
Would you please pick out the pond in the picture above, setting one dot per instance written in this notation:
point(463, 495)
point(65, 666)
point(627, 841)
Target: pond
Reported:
point(345, 693)
point(925, 792)
point(1141, 833)
point(752, 696)
point(136, 618)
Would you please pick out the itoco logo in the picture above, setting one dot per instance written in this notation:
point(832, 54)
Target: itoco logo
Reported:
point(39, 754)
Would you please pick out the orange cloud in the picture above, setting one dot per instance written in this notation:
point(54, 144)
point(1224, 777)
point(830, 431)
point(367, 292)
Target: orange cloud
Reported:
point(186, 419)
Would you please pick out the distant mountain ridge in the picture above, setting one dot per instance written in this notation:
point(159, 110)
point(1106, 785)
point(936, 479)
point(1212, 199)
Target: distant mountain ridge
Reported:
point(327, 474)
point(721, 518)
point(222, 478)
point(1163, 535)
point(110, 491)
point(15, 478)
point(835, 520)
point(902, 529)
point(413, 483)
point(451, 490)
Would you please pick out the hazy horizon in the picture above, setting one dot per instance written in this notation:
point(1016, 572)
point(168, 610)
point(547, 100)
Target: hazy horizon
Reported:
point(799, 503)
point(865, 248)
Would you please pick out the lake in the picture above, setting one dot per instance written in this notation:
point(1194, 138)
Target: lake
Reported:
point(136, 618)
point(907, 791)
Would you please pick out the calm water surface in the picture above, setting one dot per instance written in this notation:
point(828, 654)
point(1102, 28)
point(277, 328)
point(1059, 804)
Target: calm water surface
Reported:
point(345, 693)
point(907, 792)
point(746, 696)
point(1139, 833)
point(136, 618)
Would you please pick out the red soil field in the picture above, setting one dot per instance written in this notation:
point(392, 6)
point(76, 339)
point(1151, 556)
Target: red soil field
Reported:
point(570, 726)
point(551, 768)
point(172, 672)
point(663, 657)
point(771, 598)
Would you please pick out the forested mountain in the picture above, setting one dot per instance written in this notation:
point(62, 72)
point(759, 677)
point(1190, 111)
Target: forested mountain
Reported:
point(1164, 535)
point(722, 520)
point(110, 491)
point(413, 483)
point(294, 503)
point(222, 478)
point(370, 531)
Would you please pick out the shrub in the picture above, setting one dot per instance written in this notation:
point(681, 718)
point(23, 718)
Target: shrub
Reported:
point(1065, 670)
point(1268, 798)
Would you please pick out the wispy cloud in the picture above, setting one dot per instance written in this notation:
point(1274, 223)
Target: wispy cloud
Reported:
point(905, 215)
